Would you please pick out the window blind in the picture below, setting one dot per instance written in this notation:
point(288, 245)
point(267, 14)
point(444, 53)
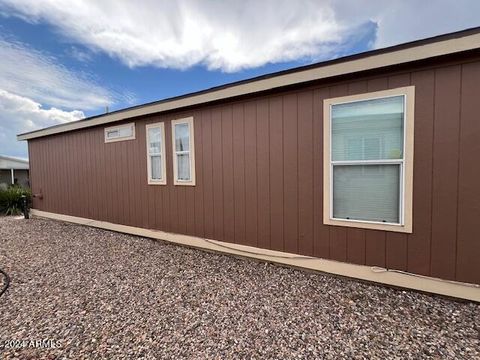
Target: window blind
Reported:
point(367, 159)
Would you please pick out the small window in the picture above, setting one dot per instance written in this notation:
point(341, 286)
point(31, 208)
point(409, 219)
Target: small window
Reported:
point(120, 133)
point(368, 163)
point(157, 174)
point(183, 152)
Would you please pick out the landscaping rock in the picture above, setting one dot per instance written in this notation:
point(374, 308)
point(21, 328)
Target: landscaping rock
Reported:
point(101, 294)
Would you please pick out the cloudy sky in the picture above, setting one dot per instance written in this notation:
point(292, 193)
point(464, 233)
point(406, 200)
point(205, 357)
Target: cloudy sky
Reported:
point(66, 60)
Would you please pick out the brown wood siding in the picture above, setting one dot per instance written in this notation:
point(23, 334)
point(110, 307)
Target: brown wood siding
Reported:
point(305, 165)
point(259, 175)
point(468, 240)
point(251, 180)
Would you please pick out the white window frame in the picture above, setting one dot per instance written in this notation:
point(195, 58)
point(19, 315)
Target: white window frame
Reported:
point(406, 164)
point(120, 138)
point(163, 154)
point(191, 151)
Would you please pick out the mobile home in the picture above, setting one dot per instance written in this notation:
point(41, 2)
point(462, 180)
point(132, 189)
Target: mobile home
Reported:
point(363, 166)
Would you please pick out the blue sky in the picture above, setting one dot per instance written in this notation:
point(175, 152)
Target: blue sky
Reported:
point(149, 83)
point(62, 63)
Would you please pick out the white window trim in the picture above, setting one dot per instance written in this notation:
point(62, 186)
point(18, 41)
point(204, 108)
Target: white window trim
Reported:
point(118, 127)
point(406, 183)
point(176, 181)
point(163, 180)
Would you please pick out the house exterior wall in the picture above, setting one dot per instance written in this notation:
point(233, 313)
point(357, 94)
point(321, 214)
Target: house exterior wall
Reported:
point(21, 176)
point(259, 175)
point(5, 177)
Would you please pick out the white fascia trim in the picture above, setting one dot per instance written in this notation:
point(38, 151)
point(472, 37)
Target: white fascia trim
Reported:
point(395, 57)
point(374, 274)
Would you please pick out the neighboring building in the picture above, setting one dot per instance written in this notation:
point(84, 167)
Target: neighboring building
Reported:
point(13, 170)
point(365, 164)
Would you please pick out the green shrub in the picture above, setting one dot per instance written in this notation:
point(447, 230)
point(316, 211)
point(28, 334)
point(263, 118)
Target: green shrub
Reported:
point(11, 200)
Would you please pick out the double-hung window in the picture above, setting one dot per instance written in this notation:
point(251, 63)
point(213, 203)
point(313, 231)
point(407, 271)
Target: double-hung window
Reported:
point(157, 173)
point(368, 147)
point(183, 151)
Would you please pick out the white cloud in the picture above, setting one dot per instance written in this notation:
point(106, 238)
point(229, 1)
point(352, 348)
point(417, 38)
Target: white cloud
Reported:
point(401, 21)
point(19, 114)
point(231, 34)
point(79, 54)
point(227, 35)
point(36, 91)
point(39, 76)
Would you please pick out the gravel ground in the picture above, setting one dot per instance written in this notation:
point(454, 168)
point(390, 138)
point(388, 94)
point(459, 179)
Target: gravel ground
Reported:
point(100, 294)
